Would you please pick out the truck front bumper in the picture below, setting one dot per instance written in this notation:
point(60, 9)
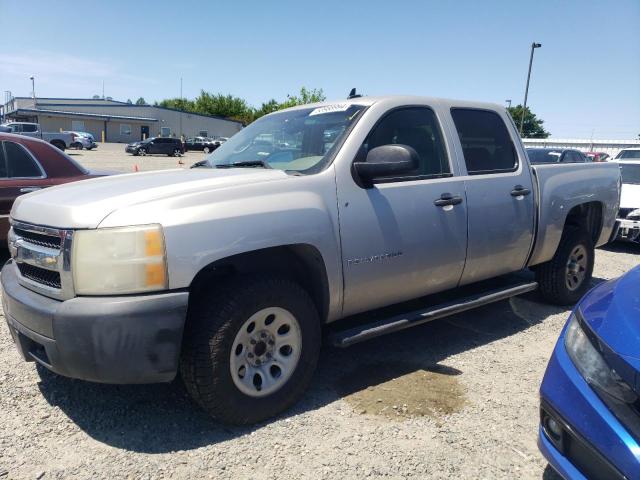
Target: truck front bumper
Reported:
point(125, 339)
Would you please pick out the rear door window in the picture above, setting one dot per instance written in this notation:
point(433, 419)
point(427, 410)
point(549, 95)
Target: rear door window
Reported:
point(20, 163)
point(486, 144)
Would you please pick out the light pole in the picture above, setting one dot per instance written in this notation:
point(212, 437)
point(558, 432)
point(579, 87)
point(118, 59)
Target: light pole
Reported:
point(508, 100)
point(33, 89)
point(534, 45)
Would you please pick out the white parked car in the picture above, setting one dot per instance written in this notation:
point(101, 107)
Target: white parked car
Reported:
point(629, 213)
point(628, 154)
point(83, 140)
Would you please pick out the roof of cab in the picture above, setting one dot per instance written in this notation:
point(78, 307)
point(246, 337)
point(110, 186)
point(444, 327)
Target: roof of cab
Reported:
point(403, 99)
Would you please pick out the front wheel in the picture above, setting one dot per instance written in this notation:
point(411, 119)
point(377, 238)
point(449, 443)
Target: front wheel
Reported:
point(251, 350)
point(142, 152)
point(565, 278)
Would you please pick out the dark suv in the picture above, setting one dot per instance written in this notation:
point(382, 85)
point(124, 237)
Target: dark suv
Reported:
point(157, 146)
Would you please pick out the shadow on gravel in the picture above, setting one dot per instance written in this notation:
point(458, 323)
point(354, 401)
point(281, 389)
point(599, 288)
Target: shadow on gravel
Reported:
point(162, 418)
point(622, 247)
point(550, 474)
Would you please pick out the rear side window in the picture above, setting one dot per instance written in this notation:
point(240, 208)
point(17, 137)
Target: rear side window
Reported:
point(416, 127)
point(19, 161)
point(486, 144)
point(3, 163)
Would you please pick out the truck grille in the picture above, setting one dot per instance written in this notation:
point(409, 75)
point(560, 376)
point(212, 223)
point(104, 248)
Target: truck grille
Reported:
point(40, 275)
point(42, 259)
point(39, 238)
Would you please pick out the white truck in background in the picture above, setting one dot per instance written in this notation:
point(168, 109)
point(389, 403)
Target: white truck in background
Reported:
point(60, 140)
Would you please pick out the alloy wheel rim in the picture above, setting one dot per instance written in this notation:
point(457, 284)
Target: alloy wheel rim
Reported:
point(576, 269)
point(265, 352)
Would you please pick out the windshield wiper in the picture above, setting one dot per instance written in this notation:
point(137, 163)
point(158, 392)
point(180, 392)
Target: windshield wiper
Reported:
point(200, 164)
point(248, 163)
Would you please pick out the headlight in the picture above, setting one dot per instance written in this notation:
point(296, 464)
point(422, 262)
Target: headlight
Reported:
point(634, 214)
point(592, 366)
point(112, 261)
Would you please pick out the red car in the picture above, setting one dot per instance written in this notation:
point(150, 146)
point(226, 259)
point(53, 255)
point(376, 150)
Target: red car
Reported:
point(597, 156)
point(28, 164)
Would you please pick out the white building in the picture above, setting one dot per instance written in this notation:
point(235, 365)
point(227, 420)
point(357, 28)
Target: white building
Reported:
point(119, 121)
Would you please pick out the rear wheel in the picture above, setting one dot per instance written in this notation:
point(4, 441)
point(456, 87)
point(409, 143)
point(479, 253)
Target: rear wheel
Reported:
point(176, 153)
point(250, 351)
point(58, 144)
point(566, 277)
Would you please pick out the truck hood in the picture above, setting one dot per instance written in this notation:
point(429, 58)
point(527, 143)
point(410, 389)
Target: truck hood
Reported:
point(630, 196)
point(86, 203)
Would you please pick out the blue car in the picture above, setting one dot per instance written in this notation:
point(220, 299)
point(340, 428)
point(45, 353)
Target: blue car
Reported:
point(590, 394)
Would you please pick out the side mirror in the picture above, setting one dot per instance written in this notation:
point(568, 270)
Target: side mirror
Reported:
point(386, 161)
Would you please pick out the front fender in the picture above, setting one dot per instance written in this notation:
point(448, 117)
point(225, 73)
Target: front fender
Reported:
point(205, 227)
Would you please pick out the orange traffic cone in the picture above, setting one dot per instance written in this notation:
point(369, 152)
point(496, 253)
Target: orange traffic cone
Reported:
point(180, 162)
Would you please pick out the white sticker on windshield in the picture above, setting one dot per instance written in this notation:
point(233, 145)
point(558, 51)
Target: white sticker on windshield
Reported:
point(338, 107)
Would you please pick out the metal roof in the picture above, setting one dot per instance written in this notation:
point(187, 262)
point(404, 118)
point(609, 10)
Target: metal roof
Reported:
point(82, 114)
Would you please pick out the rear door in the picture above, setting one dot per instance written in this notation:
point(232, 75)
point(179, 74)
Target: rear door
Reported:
point(500, 199)
point(397, 244)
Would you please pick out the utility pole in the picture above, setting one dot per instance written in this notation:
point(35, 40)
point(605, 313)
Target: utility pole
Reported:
point(181, 133)
point(534, 45)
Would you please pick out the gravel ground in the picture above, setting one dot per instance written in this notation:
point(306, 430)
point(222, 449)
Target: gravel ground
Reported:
point(111, 156)
point(456, 398)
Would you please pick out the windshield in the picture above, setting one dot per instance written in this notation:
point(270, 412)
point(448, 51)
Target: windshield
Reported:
point(543, 156)
point(630, 174)
point(629, 154)
point(297, 141)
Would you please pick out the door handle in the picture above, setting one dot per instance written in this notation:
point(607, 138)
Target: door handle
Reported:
point(29, 189)
point(520, 191)
point(447, 199)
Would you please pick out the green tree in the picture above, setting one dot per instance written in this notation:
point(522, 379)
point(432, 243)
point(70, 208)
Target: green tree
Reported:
point(177, 104)
point(305, 96)
point(237, 108)
point(129, 101)
point(141, 101)
point(532, 126)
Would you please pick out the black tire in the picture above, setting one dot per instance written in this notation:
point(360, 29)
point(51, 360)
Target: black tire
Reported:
point(59, 145)
point(212, 326)
point(552, 275)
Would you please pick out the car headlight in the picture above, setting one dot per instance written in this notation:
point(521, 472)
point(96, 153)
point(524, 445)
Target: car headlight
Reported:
point(110, 261)
point(634, 214)
point(592, 366)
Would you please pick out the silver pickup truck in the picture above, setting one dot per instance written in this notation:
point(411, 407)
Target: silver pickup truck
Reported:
point(60, 140)
point(229, 272)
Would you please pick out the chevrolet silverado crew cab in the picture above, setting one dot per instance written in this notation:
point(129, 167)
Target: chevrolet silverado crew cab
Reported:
point(229, 272)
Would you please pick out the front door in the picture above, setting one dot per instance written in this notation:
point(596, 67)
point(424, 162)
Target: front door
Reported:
point(500, 195)
point(144, 132)
point(397, 244)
